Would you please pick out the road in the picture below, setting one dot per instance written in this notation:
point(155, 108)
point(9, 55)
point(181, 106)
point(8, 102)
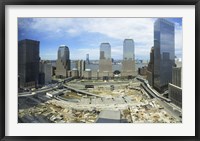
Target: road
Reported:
point(38, 91)
point(176, 113)
point(81, 91)
point(170, 109)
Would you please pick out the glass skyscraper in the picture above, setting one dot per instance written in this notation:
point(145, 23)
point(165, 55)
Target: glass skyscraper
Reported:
point(105, 51)
point(63, 53)
point(128, 63)
point(164, 53)
point(105, 63)
point(128, 49)
point(63, 62)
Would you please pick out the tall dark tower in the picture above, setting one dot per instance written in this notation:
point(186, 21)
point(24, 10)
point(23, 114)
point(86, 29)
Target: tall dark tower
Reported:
point(164, 53)
point(63, 62)
point(28, 63)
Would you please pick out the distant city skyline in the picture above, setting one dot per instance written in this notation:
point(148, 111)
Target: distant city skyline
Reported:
point(84, 35)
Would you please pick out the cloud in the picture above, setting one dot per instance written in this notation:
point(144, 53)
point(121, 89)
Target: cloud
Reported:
point(139, 29)
point(115, 30)
point(73, 32)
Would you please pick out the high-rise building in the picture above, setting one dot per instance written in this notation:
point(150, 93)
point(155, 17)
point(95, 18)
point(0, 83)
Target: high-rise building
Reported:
point(105, 51)
point(128, 49)
point(150, 68)
point(176, 76)
point(164, 58)
point(105, 63)
point(80, 65)
point(41, 79)
point(87, 59)
point(28, 63)
point(45, 68)
point(175, 94)
point(128, 63)
point(63, 62)
point(175, 90)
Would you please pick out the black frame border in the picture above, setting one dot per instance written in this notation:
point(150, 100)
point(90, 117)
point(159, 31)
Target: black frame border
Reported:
point(3, 4)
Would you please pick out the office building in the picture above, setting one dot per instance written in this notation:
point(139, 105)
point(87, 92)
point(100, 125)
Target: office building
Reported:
point(63, 62)
point(80, 65)
point(28, 63)
point(74, 73)
point(45, 69)
point(87, 59)
point(87, 74)
point(105, 51)
point(128, 49)
point(150, 68)
point(41, 79)
point(18, 80)
point(105, 63)
point(176, 76)
point(175, 94)
point(128, 63)
point(53, 70)
point(164, 58)
point(175, 90)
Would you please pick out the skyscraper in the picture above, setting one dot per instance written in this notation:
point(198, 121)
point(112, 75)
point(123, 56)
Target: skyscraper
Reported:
point(45, 68)
point(63, 62)
point(105, 51)
point(105, 63)
point(164, 43)
point(150, 67)
point(80, 65)
point(128, 63)
point(176, 76)
point(87, 59)
point(128, 49)
point(175, 90)
point(28, 63)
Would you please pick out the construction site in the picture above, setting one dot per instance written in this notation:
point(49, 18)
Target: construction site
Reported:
point(95, 101)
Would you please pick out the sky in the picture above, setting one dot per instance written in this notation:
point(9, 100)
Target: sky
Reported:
point(84, 35)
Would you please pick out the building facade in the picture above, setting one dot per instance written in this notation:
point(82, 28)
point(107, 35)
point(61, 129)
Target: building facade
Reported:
point(87, 59)
point(28, 63)
point(164, 53)
point(80, 65)
point(128, 63)
point(63, 62)
point(87, 74)
point(150, 68)
point(45, 68)
point(175, 94)
point(75, 73)
point(175, 90)
point(176, 76)
point(105, 63)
